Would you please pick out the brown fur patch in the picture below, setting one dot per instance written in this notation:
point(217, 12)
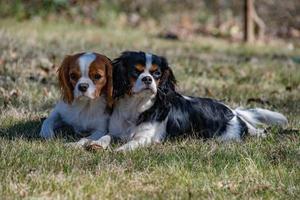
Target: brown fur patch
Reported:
point(68, 66)
point(132, 81)
point(140, 67)
point(157, 81)
point(102, 66)
point(153, 68)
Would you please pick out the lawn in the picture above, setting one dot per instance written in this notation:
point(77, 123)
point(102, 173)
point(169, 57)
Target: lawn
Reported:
point(266, 76)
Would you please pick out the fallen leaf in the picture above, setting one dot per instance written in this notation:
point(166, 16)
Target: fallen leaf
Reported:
point(258, 100)
point(14, 93)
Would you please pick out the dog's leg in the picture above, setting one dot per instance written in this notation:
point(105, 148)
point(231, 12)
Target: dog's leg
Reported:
point(135, 143)
point(96, 135)
point(103, 142)
point(47, 130)
point(145, 135)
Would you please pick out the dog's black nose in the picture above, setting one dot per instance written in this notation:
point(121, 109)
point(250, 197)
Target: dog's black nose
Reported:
point(82, 87)
point(147, 80)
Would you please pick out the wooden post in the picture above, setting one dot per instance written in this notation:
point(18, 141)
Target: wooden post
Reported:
point(248, 21)
point(216, 7)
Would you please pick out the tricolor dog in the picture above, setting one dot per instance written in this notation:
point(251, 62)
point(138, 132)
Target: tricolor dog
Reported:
point(148, 108)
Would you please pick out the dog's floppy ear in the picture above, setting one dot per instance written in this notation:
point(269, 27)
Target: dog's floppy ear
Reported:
point(64, 80)
point(109, 82)
point(168, 81)
point(121, 83)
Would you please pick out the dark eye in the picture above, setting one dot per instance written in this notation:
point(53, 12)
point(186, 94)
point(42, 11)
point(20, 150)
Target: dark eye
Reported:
point(136, 72)
point(73, 76)
point(156, 73)
point(97, 76)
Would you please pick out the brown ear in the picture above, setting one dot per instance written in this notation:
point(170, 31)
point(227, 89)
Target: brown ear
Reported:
point(109, 83)
point(64, 81)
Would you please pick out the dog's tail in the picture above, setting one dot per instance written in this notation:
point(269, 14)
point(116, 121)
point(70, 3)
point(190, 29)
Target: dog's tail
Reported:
point(258, 116)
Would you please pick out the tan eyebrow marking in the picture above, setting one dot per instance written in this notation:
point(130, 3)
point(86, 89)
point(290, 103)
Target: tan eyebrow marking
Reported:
point(140, 67)
point(153, 68)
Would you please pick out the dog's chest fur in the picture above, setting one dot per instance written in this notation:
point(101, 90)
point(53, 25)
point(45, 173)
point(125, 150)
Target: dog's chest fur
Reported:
point(85, 115)
point(125, 115)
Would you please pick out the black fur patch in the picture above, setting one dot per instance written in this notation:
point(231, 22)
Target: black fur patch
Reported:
point(243, 128)
point(202, 117)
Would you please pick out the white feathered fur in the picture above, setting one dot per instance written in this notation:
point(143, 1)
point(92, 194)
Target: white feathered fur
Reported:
point(258, 116)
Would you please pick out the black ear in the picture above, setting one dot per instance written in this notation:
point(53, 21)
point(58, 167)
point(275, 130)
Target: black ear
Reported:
point(168, 81)
point(121, 83)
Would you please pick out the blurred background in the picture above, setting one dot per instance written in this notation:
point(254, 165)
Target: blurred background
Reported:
point(172, 19)
point(224, 49)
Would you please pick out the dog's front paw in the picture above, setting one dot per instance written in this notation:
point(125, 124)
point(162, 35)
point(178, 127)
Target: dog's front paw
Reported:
point(125, 148)
point(82, 143)
point(102, 143)
point(46, 131)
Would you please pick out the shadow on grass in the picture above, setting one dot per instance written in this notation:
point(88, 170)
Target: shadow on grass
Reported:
point(29, 130)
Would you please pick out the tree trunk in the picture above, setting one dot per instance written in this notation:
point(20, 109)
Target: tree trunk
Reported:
point(248, 21)
point(260, 26)
point(216, 6)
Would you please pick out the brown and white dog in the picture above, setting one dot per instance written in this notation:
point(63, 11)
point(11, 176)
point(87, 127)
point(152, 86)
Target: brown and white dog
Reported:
point(85, 81)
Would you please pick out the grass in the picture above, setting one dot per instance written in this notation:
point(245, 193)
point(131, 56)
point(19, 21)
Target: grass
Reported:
point(260, 75)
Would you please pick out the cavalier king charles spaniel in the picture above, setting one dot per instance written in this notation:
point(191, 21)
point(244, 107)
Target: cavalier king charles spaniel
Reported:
point(148, 109)
point(85, 81)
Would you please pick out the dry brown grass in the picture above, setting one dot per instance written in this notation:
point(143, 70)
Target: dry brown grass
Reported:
point(265, 76)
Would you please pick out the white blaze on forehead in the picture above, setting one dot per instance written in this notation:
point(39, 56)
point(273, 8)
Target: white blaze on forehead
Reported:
point(148, 60)
point(139, 84)
point(84, 62)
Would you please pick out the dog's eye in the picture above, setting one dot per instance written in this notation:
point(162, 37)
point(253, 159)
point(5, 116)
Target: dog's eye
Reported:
point(156, 73)
point(137, 71)
point(97, 76)
point(73, 76)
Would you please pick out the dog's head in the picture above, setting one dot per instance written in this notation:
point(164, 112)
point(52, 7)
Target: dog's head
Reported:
point(140, 72)
point(85, 75)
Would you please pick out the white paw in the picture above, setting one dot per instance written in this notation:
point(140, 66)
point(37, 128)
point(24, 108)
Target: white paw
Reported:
point(261, 133)
point(83, 142)
point(132, 145)
point(121, 149)
point(102, 143)
point(125, 148)
point(46, 131)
